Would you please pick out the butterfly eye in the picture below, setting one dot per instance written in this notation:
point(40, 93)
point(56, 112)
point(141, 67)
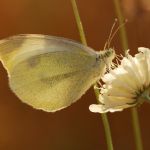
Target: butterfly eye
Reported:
point(98, 57)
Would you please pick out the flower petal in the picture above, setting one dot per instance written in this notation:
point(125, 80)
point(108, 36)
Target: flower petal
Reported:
point(124, 84)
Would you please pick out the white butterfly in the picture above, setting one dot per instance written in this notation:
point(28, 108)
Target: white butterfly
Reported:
point(50, 73)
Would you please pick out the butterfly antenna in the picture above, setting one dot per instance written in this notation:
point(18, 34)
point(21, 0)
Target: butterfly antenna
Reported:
point(109, 37)
point(112, 36)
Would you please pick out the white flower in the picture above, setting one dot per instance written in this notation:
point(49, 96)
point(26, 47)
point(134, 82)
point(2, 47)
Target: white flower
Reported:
point(127, 85)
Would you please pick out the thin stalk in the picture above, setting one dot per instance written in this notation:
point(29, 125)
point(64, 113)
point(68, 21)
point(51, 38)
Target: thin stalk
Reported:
point(79, 23)
point(136, 128)
point(123, 34)
point(107, 131)
point(83, 39)
point(134, 113)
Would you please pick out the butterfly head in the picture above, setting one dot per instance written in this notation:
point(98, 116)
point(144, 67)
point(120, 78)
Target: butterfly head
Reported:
point(106, 57)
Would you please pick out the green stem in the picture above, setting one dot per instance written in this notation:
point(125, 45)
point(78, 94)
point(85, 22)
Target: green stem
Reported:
point(123, 34)
point(106, 125)
point(134, 113)
point(136, 128)
point(107, 131)
point(79, 23)
point(83, 39)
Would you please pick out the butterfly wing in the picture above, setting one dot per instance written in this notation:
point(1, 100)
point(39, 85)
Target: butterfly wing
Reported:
point(48, 73)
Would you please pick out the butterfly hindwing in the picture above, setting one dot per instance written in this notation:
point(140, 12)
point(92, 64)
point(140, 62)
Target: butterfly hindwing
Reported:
point(48, 73)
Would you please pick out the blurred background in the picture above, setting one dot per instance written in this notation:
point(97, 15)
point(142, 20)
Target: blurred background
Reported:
point(74, 128)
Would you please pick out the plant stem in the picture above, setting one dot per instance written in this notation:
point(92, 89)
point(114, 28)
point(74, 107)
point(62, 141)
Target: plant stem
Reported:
point(106, 125)
point(134, 113)
point(79, 23)
point(123, 34)
point(83, 39)
point(107, 131)
point(136, 128)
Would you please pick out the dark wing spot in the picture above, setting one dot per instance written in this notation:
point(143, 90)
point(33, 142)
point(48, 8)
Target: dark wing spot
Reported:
point(52, 81)
point(33, 61)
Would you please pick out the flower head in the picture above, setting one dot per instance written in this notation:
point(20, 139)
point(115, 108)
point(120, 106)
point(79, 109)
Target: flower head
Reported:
point(127, 85)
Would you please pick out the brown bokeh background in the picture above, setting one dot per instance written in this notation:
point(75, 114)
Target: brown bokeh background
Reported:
point(74, 128)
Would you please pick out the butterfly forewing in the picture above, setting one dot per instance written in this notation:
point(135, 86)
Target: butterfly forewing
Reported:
point(48, 73)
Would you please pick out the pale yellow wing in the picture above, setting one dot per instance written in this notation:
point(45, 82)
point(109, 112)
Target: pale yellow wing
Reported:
point(49, 73)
